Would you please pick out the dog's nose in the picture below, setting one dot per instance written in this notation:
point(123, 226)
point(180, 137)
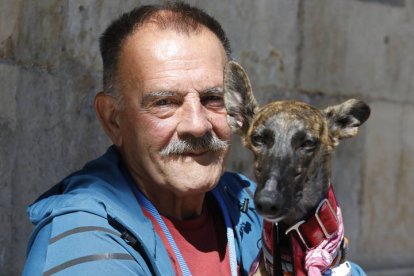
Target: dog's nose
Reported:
point(267, 205)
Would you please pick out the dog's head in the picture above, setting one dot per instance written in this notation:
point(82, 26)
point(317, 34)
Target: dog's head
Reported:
point(291, 142)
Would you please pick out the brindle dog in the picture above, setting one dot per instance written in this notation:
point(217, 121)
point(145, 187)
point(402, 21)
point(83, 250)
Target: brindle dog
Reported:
point(292, 143)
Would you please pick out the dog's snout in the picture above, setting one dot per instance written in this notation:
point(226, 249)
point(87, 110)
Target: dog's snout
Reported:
point(267, 205)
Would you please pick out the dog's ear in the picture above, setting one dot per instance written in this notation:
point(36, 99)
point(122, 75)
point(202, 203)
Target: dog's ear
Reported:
point(238, 97)
point(345, 119)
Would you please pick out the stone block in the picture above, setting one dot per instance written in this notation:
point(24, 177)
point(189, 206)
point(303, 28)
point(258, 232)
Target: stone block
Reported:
point(9, 23)
point(346, 179)
point(5, 241)
point(56, 33)
point(358, 48)
point(261, 34)
point(386, 209)
point(9, 75)
point(84, 25)
point(8, 79)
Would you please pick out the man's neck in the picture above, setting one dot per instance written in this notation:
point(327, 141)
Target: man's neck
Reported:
point(167, 202)
point(173, 206)
point(181, 208)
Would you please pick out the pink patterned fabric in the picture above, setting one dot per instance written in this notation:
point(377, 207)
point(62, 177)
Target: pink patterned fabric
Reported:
point(319, 259)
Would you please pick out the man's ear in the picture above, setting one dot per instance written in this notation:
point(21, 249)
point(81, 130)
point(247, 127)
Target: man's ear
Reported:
point(106, 109)
point(238, 97)
point(345, 119)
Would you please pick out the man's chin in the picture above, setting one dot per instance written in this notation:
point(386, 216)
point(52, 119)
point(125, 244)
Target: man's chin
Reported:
point(192, 175)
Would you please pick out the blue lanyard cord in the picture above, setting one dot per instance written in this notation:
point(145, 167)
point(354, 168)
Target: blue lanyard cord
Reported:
point(145, 203)
point(153, 211)
point(230, 233)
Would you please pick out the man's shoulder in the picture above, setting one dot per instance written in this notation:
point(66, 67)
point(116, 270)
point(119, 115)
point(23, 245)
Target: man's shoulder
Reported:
point(93, 194)
point(74, 221)
point(73, 242)
point(99, 183)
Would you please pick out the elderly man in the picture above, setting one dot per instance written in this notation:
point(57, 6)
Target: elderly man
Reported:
point(158, 201)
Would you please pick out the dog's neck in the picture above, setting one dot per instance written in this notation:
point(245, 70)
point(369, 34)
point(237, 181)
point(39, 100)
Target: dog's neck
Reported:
point(288, 246)
point(314, 190)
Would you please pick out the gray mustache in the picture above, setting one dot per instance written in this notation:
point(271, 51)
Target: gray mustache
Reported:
point(208, 142)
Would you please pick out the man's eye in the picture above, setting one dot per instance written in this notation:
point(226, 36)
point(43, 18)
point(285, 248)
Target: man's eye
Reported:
point(163, 102)
point(213, 100)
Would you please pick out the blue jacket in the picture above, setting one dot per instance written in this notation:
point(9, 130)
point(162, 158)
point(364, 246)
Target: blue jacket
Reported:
point(91, 224)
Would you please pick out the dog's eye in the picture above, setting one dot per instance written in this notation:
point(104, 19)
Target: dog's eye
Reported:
point(309, 145)
point(261, 138)
point(257, 139)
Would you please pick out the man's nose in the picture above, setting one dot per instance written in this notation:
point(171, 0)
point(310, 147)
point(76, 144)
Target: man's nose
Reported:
point(194, 120)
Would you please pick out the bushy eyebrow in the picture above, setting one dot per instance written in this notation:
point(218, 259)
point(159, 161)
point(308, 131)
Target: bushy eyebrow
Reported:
point(212, 90)
point(149, 97)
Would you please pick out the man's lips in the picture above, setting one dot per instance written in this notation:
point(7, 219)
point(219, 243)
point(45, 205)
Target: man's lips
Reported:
point(189, 154)
point(195, 153)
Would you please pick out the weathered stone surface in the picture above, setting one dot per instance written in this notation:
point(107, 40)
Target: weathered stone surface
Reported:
point(8, 80)
point(67, 30)
point(358, 48)
point(263, 37)
point(346, 179)
point(9, 24)
point(386, 209)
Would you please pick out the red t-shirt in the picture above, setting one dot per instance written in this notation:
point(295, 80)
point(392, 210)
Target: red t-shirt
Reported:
point(202, 241)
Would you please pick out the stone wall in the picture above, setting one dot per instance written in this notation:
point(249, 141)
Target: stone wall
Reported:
point(319, 51)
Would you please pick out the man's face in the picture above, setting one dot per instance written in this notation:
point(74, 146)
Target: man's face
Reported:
point(172, 88)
